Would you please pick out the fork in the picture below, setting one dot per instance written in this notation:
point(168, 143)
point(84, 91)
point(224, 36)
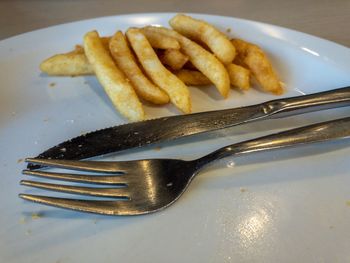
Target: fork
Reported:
point(145, 186)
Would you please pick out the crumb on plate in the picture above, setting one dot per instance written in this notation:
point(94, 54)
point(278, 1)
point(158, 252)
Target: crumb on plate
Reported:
point(23, 221)
point(243, 190)
point(36, 216)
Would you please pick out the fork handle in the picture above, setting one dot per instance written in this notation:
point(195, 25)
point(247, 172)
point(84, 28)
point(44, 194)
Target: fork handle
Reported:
point(320, 132)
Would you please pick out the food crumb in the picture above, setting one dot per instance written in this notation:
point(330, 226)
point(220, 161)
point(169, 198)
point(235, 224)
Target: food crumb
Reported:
point(20, 160)
point(23, 221)
point(228, 30)
point(36, 216)
point(52, 84)
point(158, 148)
point(243, 190)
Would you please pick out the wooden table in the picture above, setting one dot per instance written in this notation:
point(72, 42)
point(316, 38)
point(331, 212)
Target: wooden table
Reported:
point(323, 18)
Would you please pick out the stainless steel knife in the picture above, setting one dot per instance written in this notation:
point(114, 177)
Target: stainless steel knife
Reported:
point(143, 133)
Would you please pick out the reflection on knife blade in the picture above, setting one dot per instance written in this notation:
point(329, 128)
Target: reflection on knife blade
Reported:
point(143, 133)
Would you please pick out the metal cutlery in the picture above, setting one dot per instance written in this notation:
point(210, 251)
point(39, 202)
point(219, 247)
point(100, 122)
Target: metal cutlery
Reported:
point(145, 186)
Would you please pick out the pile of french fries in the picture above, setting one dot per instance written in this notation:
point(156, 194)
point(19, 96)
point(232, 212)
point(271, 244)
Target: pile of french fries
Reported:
point(156, 64)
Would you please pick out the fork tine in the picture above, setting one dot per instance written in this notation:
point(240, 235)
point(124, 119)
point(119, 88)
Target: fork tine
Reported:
point(104, 192)
point(92, 166)
point(114, 179)
point(92, 206)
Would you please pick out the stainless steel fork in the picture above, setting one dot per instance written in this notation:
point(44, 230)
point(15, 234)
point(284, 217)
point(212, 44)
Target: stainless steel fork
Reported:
point(145, 186)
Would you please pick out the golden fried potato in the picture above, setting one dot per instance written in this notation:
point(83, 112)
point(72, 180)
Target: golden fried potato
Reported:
point(160, 41)
point(192, 77)
point(126, 61)
point(104, 40)
point(254, 58)
point(203, 60)
point(173, 58)
point(78, 49)
point(239, 76)
point(178, 92)
point(68, 64)
point(117, 87)
point(73, 63)
point(200, 30)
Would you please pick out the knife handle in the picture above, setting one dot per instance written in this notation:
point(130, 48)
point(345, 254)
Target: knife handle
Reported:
point(308, 103)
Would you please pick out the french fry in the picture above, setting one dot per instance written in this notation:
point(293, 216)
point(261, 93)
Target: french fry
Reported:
point(161, 41)
point(239, 76)
point(203, 60)
point(114, 82)
point(192, 77)
point(79, 49)
point(178, 92)
point(126, 61)
point(254, 58)
point(73, 63)
point(199, 30)
point(69, 64)
point(104, 40)
point(173, 58)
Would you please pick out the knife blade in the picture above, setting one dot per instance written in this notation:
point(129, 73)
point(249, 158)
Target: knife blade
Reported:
point(138, 134)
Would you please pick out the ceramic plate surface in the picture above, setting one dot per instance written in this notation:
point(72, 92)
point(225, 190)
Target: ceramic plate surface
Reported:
point(289, 205)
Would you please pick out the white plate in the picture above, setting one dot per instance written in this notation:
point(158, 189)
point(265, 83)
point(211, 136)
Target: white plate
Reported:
point(284, 206)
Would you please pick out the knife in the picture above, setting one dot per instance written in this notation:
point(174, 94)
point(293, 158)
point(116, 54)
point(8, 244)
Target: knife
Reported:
point(143, 133)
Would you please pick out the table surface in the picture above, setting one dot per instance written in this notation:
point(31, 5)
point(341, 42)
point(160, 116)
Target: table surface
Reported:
point(324, 18)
